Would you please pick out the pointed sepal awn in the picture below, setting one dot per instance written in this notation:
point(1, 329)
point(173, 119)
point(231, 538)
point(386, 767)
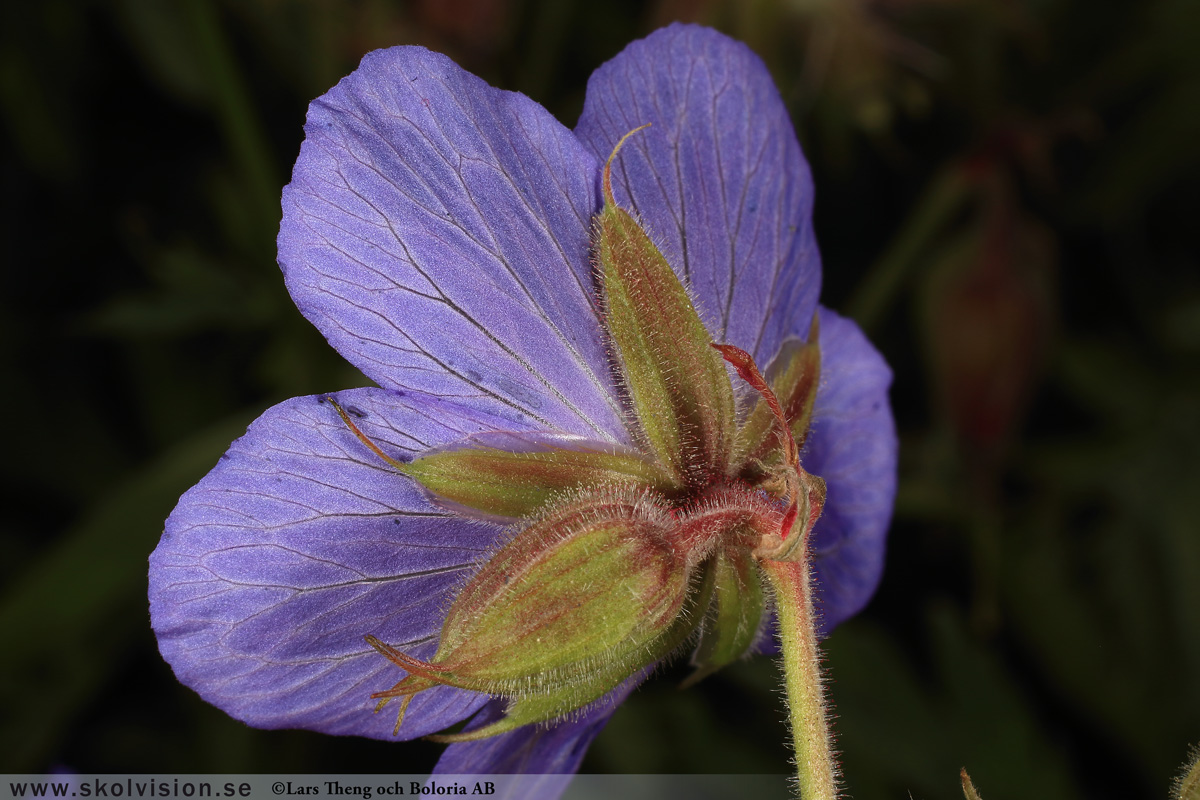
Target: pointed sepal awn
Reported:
point(679, 390)
point(508, 476)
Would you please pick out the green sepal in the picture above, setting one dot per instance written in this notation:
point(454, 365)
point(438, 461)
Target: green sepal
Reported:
point(536, 708)
point(533, 708)
point(678, 387)
point(794, 375)
point(580, 599)
point(514, 475)
point(593, 581)
point(734, 616)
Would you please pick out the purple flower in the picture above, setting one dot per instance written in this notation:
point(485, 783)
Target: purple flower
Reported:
point(439, 233)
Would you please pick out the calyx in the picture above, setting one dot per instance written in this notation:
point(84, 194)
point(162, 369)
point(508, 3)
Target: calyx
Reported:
point(620, 556)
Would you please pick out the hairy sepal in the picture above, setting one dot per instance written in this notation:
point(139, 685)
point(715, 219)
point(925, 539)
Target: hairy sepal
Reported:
point(735, 613)
point(678, 387)
point(516, 475)
point(579, 600)
point(534, 708)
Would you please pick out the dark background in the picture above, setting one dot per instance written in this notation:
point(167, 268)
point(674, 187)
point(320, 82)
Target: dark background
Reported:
point(1006, 200)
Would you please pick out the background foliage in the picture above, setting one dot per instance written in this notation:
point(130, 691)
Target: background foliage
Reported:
point(1006, 194)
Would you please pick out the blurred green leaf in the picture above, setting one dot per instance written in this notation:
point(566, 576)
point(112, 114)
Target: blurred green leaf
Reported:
point(1158, 67)
point(40, 51)
point(190, 294)
point(1111, 607)
point(72, 617)
point(892, 273)
point(186, 47)
point(740, 728)
point(902, 733)
point(163, 39)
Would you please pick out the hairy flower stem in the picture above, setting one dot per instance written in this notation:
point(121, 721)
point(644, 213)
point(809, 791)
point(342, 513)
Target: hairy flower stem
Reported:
point(815, 767)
